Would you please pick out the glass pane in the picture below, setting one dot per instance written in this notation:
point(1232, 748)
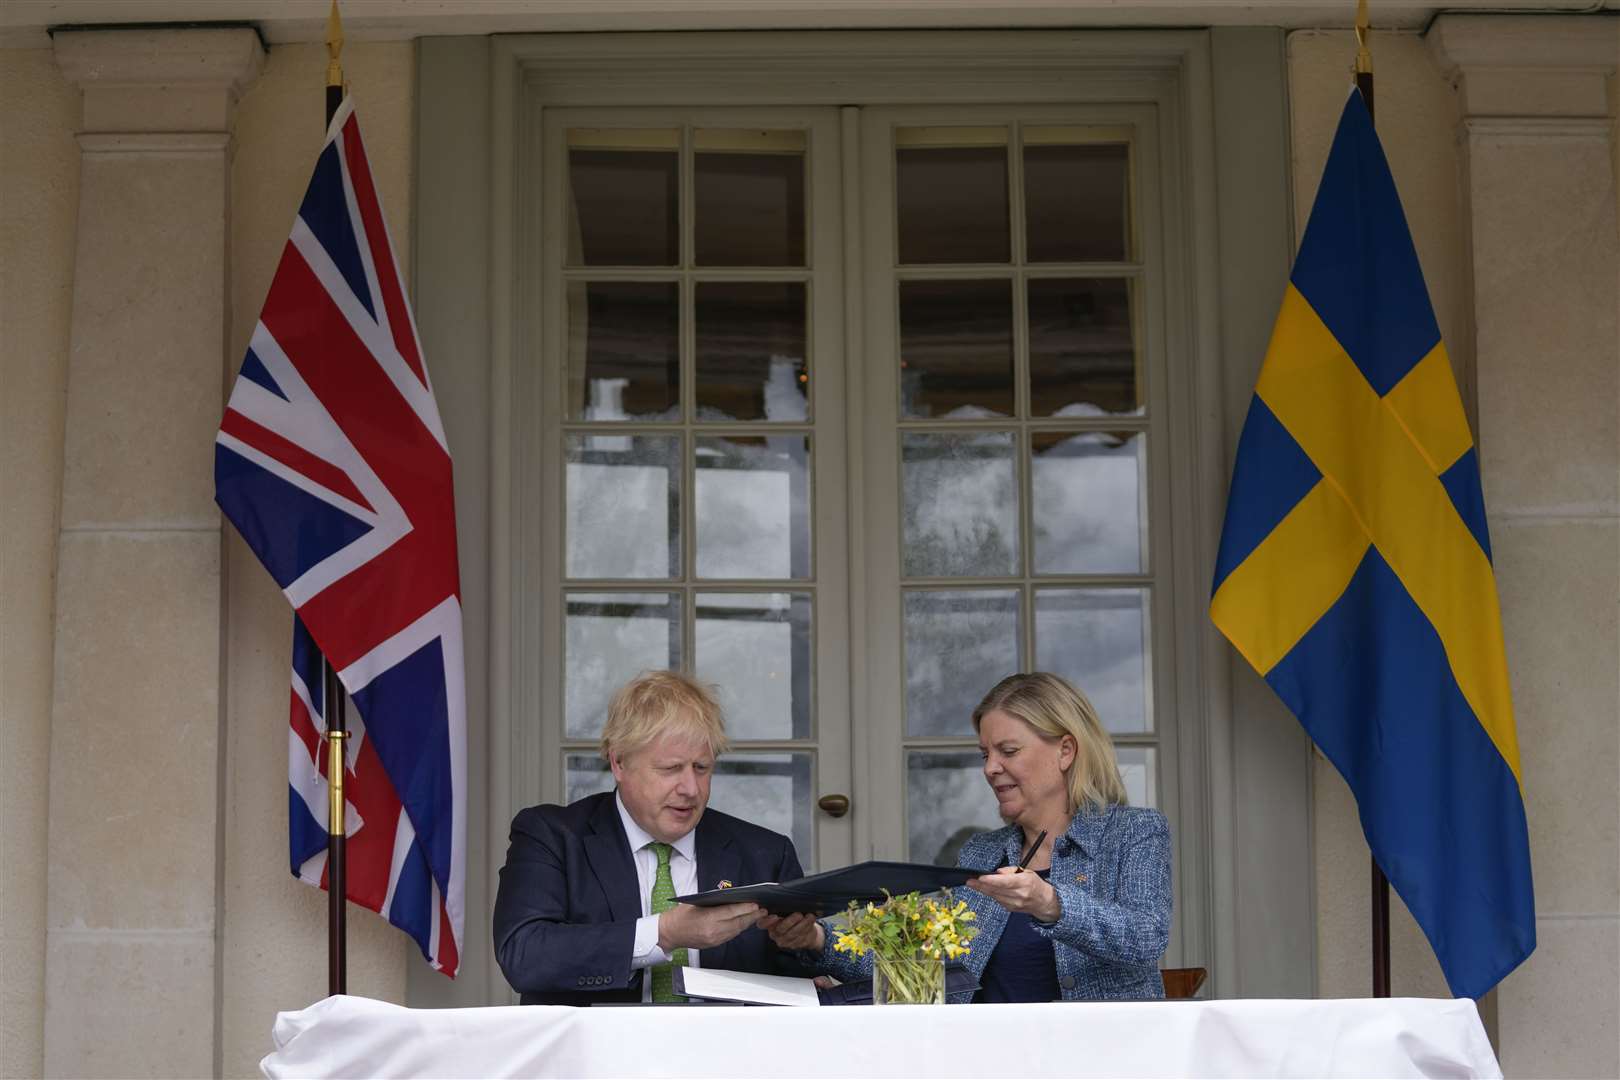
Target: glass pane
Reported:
point(947, 802)
point(772, 790)
point(1139, 769)
point(1089, 496)
point(624, 191)
point(1099, 640)
point(958, 645)
point(755, 647)
point(961, 504)
point(956, 349)
point(624, 505)
point(587, 774)
point(624, 359)
point(749, 192)
point(1082, 359)
point(753, 506)
point(750, 351)
point(608, 639)
point(1076, 204)
point(951, 195)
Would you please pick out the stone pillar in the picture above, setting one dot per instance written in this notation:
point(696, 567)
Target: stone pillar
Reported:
point(1540, 214)
point(135, 819)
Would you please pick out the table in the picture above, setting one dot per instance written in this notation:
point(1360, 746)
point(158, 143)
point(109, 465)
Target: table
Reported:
point(353, 1036)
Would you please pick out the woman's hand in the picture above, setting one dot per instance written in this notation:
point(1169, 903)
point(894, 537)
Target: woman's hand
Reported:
point(797, 931)
point(1020, 890)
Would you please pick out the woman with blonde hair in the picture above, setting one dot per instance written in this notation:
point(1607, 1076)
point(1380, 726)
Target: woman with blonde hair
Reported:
point(1089, 918)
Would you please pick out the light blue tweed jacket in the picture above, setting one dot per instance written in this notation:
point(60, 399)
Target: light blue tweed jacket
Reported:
point(1111, 871)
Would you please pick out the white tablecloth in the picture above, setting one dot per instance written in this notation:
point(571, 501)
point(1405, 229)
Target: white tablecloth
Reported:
point(352, 1036)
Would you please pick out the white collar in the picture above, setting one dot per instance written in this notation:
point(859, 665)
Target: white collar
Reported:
point(640, 838)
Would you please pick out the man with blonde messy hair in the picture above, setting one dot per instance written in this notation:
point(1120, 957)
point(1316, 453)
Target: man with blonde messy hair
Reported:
point(585, 909)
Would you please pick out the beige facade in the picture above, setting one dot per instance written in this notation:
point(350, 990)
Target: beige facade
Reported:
point(148, 920)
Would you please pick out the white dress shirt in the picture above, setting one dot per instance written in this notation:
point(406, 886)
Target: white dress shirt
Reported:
point(682, 871)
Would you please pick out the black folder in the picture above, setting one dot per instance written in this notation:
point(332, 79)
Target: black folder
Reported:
point(830, 892)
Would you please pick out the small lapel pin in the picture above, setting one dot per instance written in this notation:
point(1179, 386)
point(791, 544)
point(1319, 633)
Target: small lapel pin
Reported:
point(724, 884)
point(1081, 878)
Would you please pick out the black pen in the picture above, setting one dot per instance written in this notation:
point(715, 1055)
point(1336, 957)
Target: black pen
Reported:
point(1033, 848)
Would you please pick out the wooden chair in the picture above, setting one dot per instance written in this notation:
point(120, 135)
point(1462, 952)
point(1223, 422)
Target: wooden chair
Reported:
point(1182, 982)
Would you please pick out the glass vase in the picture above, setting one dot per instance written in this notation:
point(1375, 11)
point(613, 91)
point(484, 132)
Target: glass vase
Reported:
point(914, 979)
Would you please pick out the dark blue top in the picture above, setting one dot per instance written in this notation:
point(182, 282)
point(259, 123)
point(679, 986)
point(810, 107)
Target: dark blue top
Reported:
point(1023, 966)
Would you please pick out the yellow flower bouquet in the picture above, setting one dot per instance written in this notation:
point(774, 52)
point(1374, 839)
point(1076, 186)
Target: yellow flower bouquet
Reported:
point(910, 938)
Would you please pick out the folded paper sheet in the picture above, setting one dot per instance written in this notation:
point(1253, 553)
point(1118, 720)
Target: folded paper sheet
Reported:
point(711, 984)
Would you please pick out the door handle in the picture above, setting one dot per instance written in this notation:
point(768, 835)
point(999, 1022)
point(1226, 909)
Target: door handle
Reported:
point(834, 805)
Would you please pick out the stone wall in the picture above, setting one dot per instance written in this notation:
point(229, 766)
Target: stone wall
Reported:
point(39, 203)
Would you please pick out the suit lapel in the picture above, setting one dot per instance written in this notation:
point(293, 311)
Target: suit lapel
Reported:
point(717, 860)
point(608, 852)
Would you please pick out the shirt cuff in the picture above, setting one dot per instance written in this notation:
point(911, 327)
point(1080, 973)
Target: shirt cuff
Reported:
point(646, 952)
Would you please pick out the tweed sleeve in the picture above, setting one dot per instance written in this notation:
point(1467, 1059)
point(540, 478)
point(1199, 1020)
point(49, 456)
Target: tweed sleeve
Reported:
point(840, 965)
point(1133, 925)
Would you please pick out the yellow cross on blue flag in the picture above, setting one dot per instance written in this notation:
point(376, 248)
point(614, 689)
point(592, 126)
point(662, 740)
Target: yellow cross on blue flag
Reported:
point(1355, 574)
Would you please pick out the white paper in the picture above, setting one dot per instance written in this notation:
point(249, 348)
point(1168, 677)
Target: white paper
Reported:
point(746, 986)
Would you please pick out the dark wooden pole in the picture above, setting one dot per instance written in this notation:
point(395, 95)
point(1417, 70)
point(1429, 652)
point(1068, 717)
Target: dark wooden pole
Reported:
point(1380, 883)
point(336, 711)
point(337, 961)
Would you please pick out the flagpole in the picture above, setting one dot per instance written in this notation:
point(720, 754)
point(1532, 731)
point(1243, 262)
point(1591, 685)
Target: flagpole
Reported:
point(1380, 883)
point(337, 722)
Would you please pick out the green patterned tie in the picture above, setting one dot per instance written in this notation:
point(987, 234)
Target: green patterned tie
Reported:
point(663, 898)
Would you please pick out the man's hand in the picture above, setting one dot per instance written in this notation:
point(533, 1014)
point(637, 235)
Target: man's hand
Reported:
point(687, 927)
point(1020, 890)
point(796, 931)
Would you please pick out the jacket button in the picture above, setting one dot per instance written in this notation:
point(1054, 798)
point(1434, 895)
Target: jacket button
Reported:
point(1067, 982)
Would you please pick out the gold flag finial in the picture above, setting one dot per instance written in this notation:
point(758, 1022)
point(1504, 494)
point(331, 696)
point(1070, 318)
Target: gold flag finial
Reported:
point(1363, 54)
point(334, 46)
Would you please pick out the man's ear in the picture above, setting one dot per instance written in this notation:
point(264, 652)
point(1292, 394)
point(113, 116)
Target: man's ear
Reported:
point(616, 763)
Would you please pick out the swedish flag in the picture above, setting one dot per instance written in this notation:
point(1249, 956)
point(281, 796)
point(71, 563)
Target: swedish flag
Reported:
point(1355, 570)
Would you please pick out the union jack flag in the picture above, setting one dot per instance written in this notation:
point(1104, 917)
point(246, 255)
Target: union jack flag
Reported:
point(332, 463)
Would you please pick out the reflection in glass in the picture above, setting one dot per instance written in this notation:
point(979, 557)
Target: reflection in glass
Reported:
point(772, 790)
point(624, 191)
point(1076, 201)
point(753, 507)
point(960, 494)
point(750, 350)
point(956, 349)
point(947, 802)
point(958, 645)
point(624, 360)
point(768, 789)
point(756, 648)
point(607, 639)
point(749, 194)
point(1082, 359)
point(623, 505)
point(1138, 768)
point(1089, 491)
point(1099, 640)
point(588, 774)
point(951, 195)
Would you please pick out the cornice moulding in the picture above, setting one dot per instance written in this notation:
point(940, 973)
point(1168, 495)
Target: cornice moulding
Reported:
point(226, 58)
point(1460, 43)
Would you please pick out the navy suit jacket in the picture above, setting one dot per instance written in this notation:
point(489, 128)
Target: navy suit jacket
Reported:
point(566, 909)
